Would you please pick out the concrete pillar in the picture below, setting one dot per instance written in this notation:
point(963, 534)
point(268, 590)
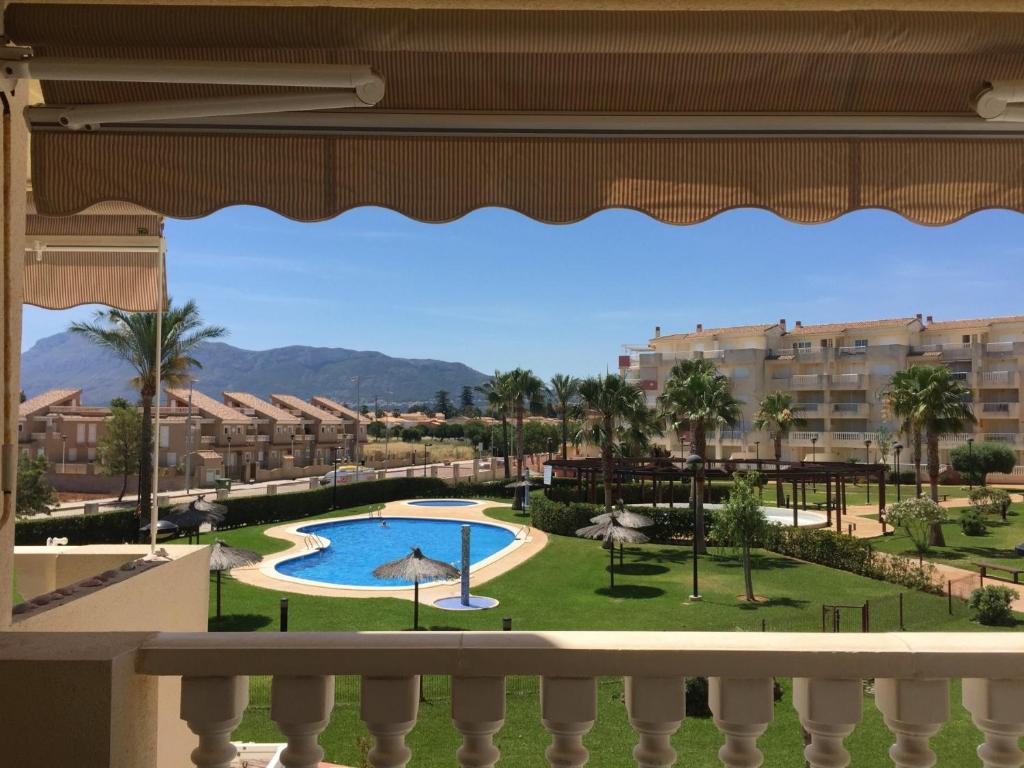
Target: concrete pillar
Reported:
point(271, 489)
point(13, 189)
point(91, 507)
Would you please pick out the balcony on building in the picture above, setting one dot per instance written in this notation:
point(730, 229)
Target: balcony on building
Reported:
point(1001, 378)
point(808, 381)
point(1010, 438)
point(850, 410)
point(997, 410)
point(999, 348)
point(847, 381)
point(851, 438)
point(731, 436)
point(805, 438)
point(808, 410)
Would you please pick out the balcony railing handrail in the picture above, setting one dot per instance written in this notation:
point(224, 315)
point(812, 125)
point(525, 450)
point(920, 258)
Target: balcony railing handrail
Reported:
point(583, 654)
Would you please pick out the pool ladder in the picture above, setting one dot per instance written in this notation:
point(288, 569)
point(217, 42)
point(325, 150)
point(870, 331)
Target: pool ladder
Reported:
point(524, 530)
point(312, 541)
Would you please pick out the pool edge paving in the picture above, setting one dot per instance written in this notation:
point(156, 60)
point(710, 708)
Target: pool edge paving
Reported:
point(263, 576)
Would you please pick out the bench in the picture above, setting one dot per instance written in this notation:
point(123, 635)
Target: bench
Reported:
point(1009, 569)
point(944, 496)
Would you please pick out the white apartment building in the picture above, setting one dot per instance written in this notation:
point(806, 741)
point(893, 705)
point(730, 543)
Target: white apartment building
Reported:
point(837, 373)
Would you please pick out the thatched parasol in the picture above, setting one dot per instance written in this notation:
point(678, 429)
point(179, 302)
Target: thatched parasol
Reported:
point(165, 529)
point(624, 517)
point(196, 512)
point(416, 567)
point(612, 532)
point(224, 557)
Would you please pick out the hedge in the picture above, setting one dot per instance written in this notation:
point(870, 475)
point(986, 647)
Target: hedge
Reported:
point(122, 526)
point(564, 519)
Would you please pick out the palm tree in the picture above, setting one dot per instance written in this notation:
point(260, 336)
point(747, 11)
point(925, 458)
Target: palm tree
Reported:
point(636, 431)
point(775, 414)
point(524, 392)
point(903, 396)
point(698, 397)
point(564, 387)
point(132, 337)
point(603, 402)
point(495, 392)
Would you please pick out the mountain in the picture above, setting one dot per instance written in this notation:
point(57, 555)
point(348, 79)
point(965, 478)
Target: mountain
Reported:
point(67, 360)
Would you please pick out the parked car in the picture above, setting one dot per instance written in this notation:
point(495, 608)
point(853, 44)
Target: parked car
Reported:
point(347, 474)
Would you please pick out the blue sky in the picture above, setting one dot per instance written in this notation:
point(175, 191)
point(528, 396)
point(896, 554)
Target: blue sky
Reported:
point(495, 289)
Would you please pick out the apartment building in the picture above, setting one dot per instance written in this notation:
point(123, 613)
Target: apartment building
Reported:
point(837, 373)
point(354, 423)
point(323, 433)
point(277, 433)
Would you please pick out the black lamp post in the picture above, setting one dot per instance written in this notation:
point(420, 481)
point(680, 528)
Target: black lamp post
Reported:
point(898, 448)
point(970, 462)
point(693, 461)
point(426, 450)
point(814, 454)
point(334, 486)
point(867, 477)
point(227, 459)
point(549, 449)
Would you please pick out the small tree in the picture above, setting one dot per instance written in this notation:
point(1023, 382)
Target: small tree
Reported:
point(466, 404)
point(443, 403)
point(978, 460)
point(916, 517)
point(35, 494)
point(744, 523)
point(990, 501)
point(119, 449)
point(992, 604)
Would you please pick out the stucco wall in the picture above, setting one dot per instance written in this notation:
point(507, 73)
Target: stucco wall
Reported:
point(173, 597)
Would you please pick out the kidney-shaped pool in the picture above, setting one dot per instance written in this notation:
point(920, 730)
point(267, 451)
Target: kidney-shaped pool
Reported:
point(358, 546)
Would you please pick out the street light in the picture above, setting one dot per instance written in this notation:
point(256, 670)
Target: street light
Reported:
point(334, 488)
point(63, 452)
point(867, 477)
point(899, 481)
point(188, 439)
point(426, 450)
point(693, 461)
point(814, 442)
point(549, 449)
point(970, 461)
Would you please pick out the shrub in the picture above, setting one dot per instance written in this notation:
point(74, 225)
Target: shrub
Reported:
point(118, 527)
point(635, 493)
point(991, 604)
point(906, 477)
point(916, 517)
point(564, 519)
point(972, 522)
point(978, 460)
point(990, 501)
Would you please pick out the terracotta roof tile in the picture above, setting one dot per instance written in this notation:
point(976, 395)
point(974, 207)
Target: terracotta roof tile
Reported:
point(307, 409)
point(262, 407)
point(45, 400)
point(207, 404)
point(734, 330)
point(895, 322)
point(974, 323)
point(336, 407)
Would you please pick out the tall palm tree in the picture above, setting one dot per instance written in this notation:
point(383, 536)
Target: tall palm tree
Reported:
point(775, 414)
point(698, 397)
point(603, 402)
point(564, 387)
point(524, 392)
point(903, 396)
point(495, 392)
point(637, 429)
point(132, 336)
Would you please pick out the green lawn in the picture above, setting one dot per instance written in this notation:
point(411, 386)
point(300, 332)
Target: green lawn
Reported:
point(857, 494)
point(566, 587)
point(961, 550)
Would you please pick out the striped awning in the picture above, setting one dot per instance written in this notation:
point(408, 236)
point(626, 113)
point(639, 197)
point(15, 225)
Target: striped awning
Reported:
point(484, 108)
point(112, 254)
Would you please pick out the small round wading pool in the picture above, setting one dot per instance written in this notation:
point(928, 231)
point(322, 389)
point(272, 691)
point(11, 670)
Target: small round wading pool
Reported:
point(356, 547)
point(441, 503)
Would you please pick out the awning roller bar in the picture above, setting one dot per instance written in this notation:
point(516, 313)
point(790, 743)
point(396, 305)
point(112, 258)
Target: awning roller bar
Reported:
point(1002, 100)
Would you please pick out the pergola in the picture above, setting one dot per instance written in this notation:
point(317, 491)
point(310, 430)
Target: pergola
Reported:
point(680, 109)
point(663, 472)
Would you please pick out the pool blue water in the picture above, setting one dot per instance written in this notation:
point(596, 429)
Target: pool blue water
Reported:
point(359, 546)
point(441, 503)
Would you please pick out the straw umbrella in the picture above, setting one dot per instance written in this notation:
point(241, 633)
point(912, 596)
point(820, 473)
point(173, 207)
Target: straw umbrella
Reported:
point(416, 567)
point(224, 557)
point(624, 517)
point(611, 531)
point(196, 512)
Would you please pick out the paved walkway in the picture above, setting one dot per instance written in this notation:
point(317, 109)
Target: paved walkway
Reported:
point(528, 543)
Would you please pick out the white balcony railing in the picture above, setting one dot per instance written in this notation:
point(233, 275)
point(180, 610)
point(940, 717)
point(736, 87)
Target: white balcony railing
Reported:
point(960, 375)
point(911, 674)
point(804, 438)
point(262, 438)
point(846, 380)
point(996, 378)
point(853, 350)
point(956, 438)
point(849, 409)
point(39, 435)
point(1012, 438)
point(852, 437)
point(807, 381)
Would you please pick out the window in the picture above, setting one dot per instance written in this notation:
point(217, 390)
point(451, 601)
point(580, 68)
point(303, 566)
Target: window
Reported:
point(40, 452)
point(801, 346)
point(860, 343)
point(91, 454)
point(92, 433)
point(72, 454)
point(172, 459)
point(165, 436)
point(80, 433)
point(966, 338)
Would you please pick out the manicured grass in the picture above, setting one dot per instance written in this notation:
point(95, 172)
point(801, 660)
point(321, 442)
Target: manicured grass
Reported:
point(856, 495)
point(961, 550)
point(565, 587)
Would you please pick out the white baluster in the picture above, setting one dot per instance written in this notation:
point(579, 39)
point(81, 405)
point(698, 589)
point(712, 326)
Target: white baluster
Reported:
point(301, 707)
point(656, 707)
point(913, 710)
point(829, 710)
point(388, 707)
point(478, 712)
point(743, 707)
point(568, 710)
point(213, 708)
point(997, 708)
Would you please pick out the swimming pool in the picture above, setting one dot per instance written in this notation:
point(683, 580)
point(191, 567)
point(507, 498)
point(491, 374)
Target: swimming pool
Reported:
point(441, 503)
point(358, 546)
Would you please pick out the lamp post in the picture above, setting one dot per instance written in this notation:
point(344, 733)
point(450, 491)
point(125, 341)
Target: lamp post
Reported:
point(188, 439)
point(334, 487)
point(867, 460)
point(899, 481)
point(549, 449)
point(814, 443)
point(426, 451)
point(693, 461)
point(227, 459)
point(970, 462)
point(63, 452)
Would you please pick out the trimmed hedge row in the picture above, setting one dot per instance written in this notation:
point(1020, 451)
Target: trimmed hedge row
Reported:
point(564, 519)
point(634, 493)
point(122, 525)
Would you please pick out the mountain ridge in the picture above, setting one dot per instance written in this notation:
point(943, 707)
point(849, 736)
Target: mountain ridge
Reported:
point(68, 360)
